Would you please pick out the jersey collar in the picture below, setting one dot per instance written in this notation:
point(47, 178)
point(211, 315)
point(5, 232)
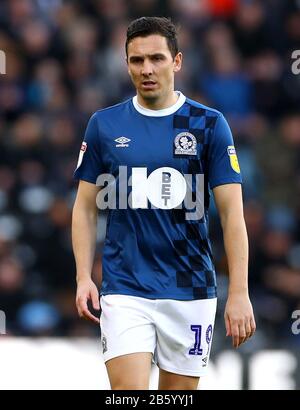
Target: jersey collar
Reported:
point(159, 113)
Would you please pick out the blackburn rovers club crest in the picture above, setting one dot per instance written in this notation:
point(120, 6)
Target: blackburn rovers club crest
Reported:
point(233, 159)
point(185, 144)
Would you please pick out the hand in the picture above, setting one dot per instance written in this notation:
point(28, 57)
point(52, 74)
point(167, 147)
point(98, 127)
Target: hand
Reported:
point(239, 318)
point(87, 290)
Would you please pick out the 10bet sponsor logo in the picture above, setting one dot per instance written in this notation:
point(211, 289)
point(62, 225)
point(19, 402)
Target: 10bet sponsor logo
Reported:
point(164, 188)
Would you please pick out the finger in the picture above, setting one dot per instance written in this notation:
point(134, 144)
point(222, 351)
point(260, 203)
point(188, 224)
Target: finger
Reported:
point(242, 333)
point(84, 311)
point(86, 314)
point(248, 329)
point(227, 326)
point(253, 326)
point(235, 334)
point(79, 306)
point(95, 299)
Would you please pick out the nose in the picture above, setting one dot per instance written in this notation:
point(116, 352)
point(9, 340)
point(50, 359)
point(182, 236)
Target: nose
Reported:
point(147, 68)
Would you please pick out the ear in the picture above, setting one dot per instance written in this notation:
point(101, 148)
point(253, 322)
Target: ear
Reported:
point(128, 69)
point(177, 62)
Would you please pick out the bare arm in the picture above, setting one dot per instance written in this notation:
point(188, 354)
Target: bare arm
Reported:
point(239, 318)
point(84, 233)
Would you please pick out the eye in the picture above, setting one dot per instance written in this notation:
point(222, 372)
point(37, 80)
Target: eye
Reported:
point(136, 60)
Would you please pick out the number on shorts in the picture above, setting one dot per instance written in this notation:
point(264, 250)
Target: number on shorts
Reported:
point(196, 350)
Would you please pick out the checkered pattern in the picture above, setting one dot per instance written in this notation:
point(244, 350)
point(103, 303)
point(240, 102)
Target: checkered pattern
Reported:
point(193, 248)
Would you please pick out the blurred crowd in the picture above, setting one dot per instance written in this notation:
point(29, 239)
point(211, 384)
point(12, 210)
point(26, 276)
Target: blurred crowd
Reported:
point(65, 60)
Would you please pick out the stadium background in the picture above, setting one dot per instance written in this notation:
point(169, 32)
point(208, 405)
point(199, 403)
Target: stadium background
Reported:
point(65, 60)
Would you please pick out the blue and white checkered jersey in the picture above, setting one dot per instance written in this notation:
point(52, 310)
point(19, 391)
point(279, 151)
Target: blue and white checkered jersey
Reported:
point(158, 159)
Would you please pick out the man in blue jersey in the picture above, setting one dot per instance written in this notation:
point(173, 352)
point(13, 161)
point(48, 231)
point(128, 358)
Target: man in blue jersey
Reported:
point(158, 293)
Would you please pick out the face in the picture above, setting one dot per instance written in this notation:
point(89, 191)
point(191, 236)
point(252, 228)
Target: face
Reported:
point(152, 67)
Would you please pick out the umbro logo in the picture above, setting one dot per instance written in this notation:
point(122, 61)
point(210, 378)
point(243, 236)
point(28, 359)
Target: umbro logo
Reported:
point(122, 142)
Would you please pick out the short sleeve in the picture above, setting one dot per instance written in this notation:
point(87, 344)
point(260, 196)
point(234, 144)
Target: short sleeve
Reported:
point(90, 164)
point(223, 162)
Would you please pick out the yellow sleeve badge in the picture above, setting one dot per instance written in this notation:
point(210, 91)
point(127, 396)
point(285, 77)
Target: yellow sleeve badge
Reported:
point(233, 159)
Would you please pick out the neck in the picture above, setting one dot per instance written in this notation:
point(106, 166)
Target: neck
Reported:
point(165, 101)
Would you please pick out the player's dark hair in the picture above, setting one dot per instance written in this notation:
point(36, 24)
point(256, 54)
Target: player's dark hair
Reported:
point(146, 26)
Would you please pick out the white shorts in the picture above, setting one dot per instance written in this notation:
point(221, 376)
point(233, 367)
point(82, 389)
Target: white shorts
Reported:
point(178, 333)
